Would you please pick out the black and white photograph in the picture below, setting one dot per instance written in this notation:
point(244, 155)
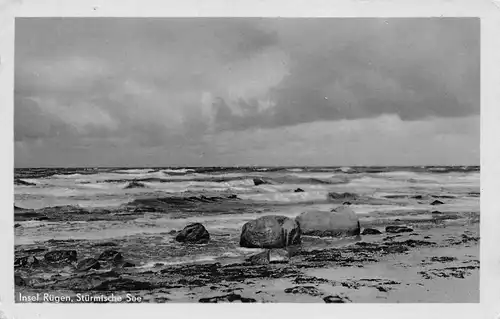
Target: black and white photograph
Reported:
point(246, 160)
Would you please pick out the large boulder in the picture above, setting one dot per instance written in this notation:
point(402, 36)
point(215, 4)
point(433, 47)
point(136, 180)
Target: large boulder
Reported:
point(341, 221)
point(270, 232)
point(194, 233)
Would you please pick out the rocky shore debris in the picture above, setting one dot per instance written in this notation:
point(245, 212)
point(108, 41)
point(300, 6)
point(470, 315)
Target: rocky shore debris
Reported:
point(342, 196)
point(308, 290)
point(456, 272)
point(111, 255)
point(270, 231)
point(227, 298)
point(443, 259)
point(19, 281)
point(371, 231)
point(60, 256)
point(280, 255)
point(262, 258)
point(398, 229)
point(339, 222)
point(26, 261)
point(222, 276)
point(194, 233)
point(87, 264)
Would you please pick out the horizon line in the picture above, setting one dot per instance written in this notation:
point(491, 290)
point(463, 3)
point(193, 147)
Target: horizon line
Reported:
point(248, 166)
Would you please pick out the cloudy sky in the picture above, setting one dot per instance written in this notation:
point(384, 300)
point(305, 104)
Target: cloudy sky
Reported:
point(223, 92)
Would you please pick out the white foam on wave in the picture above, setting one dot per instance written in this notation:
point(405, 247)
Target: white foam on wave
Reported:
point(67, 176)
point(96, 230)
point(35, 223)
point(33, 202)
point(184, 186)
point(317, 175)
point(178, 170)
point(134, 171)
point(369, 209)
point(287, 197)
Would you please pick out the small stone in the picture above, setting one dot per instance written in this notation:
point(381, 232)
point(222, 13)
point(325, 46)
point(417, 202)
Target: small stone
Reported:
point(87, 264)
point(307, 290)
point(279, 256)
point(135, 184)
point(335, 299)
point(259, 181)
point(19, 281)
point(398, 229)
point(371, 231)
point(128, 265)
point(110, 255)
point(262, 258)
point(194, 233)
point(437, 202)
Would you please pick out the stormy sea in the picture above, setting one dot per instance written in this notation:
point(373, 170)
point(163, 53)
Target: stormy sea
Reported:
point(418, 242)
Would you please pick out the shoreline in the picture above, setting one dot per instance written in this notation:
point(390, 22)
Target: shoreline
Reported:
point(437, 262)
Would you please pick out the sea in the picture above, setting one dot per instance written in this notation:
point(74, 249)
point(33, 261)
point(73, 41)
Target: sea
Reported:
point(259, 191)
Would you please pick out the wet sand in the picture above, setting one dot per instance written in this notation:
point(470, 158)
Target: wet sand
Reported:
point(437, 262)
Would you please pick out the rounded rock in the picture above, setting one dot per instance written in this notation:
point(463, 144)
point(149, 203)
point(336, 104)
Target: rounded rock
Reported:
point(270, 231)
point(340, 222)
point(194, 233)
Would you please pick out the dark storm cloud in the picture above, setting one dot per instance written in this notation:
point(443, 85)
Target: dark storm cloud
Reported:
point(345, 69)
point(144, 83)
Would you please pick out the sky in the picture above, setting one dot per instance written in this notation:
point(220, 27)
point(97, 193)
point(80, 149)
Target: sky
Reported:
point(246, 91)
